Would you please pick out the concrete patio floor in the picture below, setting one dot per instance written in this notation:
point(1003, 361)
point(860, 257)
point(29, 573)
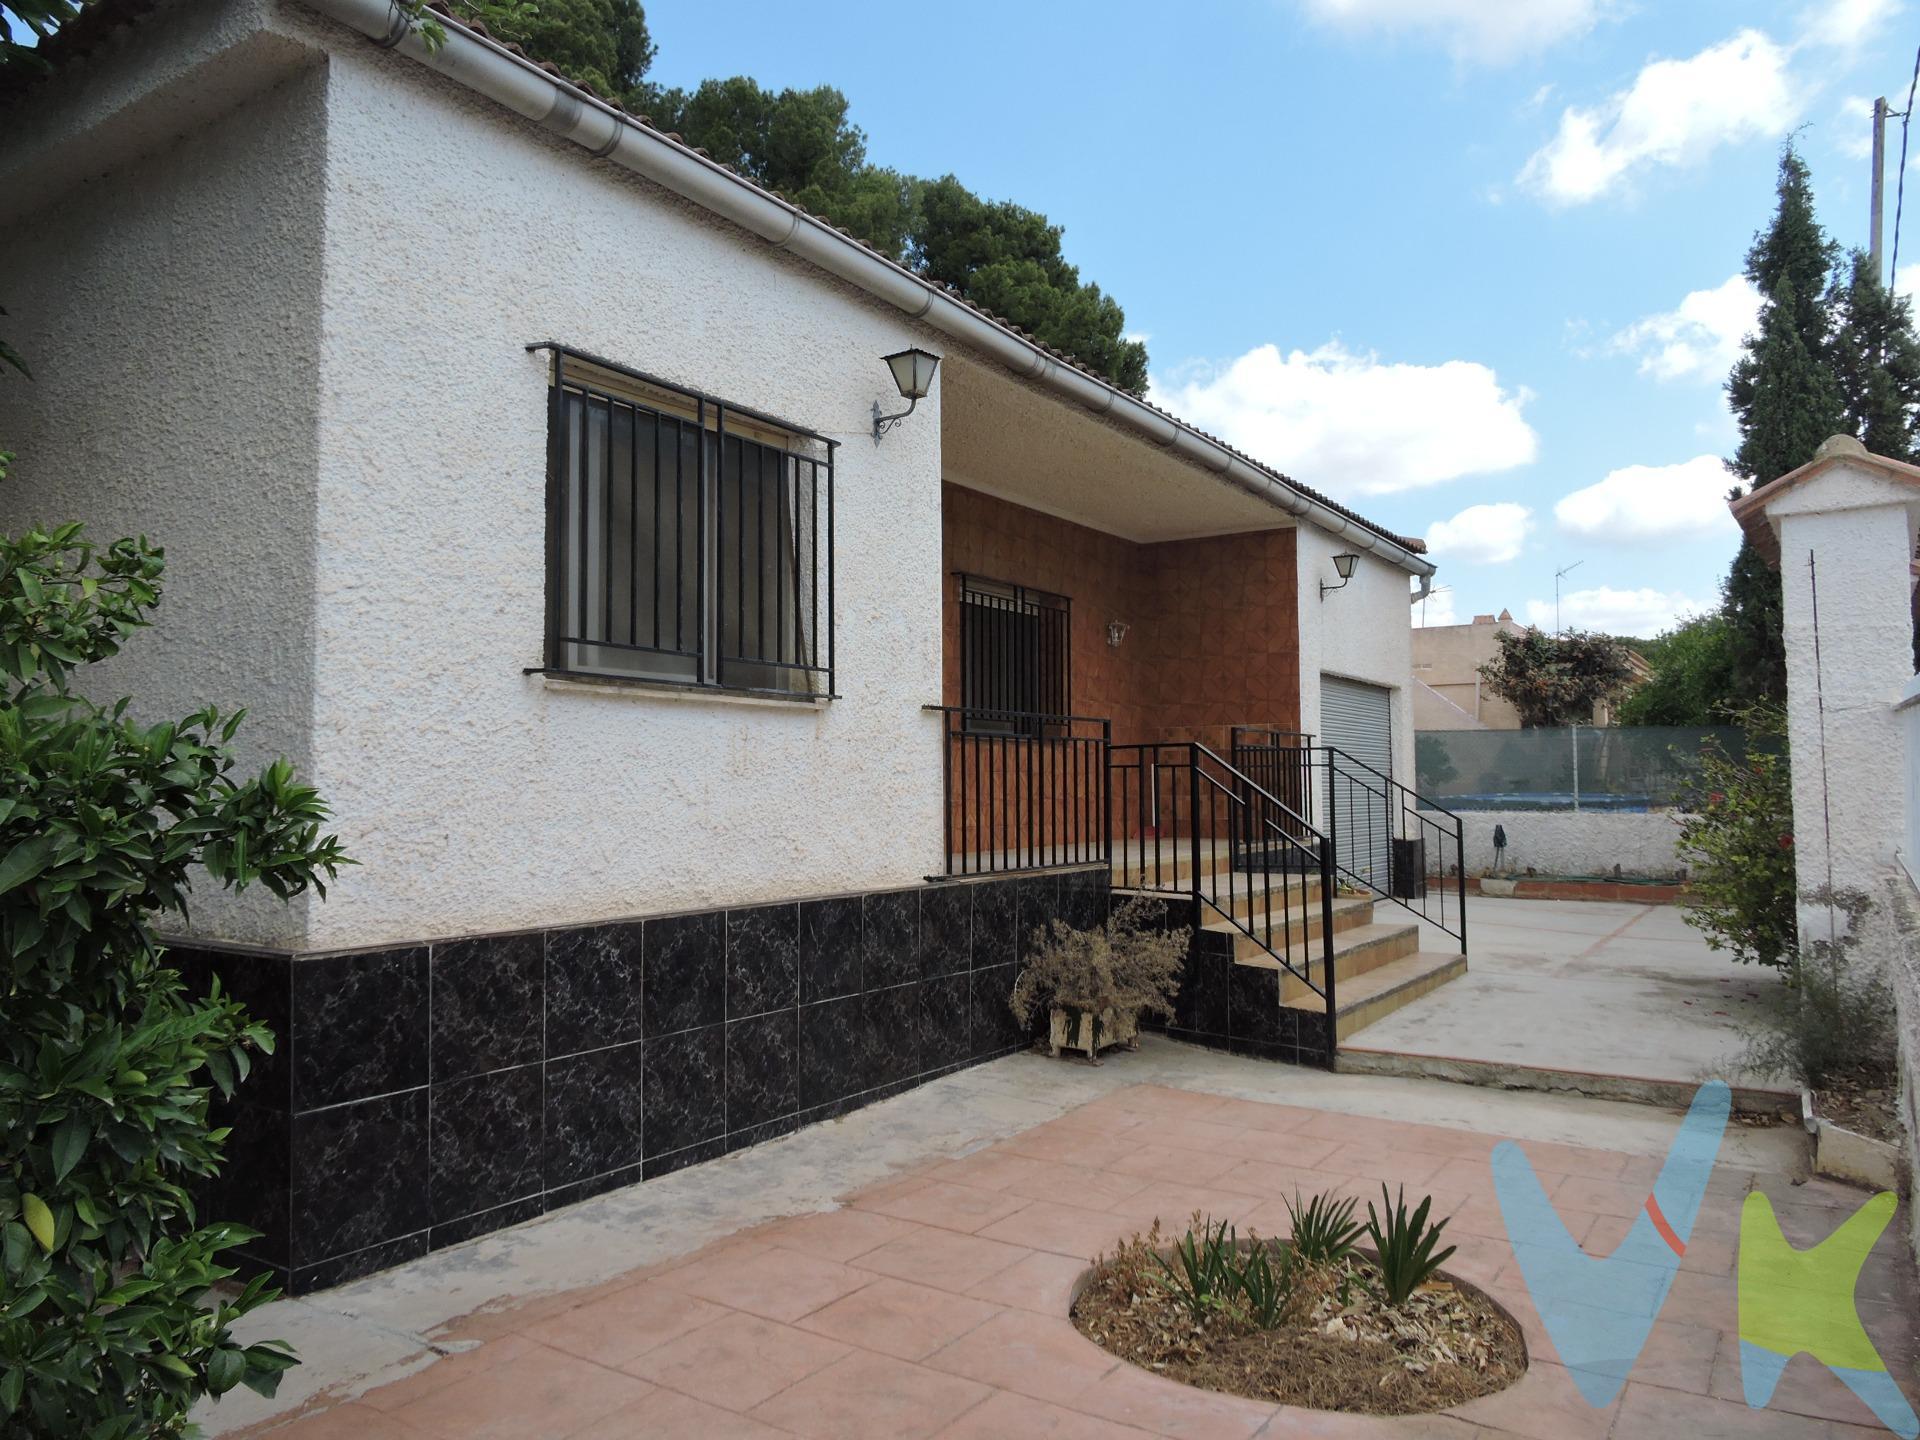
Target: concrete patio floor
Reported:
point(906, 1271)
point(1591, 986)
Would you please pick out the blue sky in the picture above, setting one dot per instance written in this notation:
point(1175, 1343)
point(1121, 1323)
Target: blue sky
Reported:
point(1427, 255)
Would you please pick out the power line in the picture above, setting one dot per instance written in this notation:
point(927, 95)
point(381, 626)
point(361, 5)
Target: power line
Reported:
point(1900, 185)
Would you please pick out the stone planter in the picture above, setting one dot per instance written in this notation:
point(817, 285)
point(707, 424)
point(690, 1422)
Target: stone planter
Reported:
point(1842, 1154)
point(1073, 1030)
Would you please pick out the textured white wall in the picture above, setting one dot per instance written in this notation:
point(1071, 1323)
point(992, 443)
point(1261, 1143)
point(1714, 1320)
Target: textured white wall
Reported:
point(1363, 632)
point(479, 798)
point(1563, 842)
point(169, 308)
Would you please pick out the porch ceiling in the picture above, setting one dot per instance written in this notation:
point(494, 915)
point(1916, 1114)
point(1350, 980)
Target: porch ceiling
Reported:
point(1010, 439)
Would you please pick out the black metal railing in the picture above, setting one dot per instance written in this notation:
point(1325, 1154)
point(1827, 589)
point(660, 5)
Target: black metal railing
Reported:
point(1278, 761)
point(690, 541)
point(1191, 823)
point(1388, 839)
point(1023, 791)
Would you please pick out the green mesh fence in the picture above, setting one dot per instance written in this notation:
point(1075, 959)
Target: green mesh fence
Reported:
point(1576, 767)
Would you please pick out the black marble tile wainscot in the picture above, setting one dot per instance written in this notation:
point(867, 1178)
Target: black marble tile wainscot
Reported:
point(357, 1174)
point(359, 1025)
point(686, 978)
point(685, 1089)
point(996, 921)
point(889, 939)
point(763, 960)
point(487, 1004)
point(763, 1068)
point(893, 1034)
point(946, 1021)
point(946, 928)
point(593, 987)
point(829, 948)
point(594, 1113)
point(833, 1050)
point(485, 1142)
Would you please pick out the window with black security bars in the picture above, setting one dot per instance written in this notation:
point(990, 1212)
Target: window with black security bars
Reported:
point(1015, 656)
point(690, 540)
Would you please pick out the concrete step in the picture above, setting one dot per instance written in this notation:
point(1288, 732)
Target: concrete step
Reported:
point(1379, 992)
point(1295, 915)
point(1355, 951)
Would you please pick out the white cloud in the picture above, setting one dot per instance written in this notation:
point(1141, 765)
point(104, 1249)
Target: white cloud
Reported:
point(1637, 504)
point(1490, 32)
point(1855, 124)
point(1352, 424)
point(1700, 338)
point(1482, 534)
point(1618, 612)
point(1906, 281)
point(1676, 112)
point(1846, 24)
point(1436, 609)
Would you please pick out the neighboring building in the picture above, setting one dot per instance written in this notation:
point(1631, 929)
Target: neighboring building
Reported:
point(516, 463)
point(1448, 693)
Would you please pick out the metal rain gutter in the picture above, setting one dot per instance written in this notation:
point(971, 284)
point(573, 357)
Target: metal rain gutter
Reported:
point(491, 70)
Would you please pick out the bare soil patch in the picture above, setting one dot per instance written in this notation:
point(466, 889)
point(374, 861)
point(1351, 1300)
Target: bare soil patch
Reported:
point(1862, 1104)
point(1339, 1346)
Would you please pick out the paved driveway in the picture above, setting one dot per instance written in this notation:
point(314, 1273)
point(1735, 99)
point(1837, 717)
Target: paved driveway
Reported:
point(1604, 987)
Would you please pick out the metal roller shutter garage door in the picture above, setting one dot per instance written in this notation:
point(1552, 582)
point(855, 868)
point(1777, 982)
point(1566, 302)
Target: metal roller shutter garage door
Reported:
point(1358, 719)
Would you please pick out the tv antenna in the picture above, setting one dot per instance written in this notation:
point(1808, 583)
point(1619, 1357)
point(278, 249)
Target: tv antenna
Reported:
point(1556, 591)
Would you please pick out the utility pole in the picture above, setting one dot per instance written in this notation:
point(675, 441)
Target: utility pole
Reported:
point(1556, 591)
point(1878, 202)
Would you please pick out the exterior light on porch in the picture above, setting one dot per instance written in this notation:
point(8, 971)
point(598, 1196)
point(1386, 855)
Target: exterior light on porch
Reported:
point(1343, 563)
point(913, 373)
point(1116, 632)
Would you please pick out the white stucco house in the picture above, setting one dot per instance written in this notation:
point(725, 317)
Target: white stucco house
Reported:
point(707, 757)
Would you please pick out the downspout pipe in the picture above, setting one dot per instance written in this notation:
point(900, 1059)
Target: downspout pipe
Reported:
point(492, 70)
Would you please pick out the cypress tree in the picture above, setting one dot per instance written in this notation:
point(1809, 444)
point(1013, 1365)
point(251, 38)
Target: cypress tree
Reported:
point(1876, 360)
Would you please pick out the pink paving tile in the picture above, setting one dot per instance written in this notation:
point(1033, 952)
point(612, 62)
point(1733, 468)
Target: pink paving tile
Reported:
point(1589, 1164)
point(348, 1422)
point(1078, 1184)
point(626, 1323)
point(837, 1234)
point(1279, 1147)
point(1678, 1357)
point(1544, 1404)
point(1042, 1282)
point(1072, 1147)
point(537, 1392)
point(1296, 1424)
point(1162, 1102)
point(1603, 1197)
point(992, 1169)
point(1393, 1134)
point(944, 1259)
point(1173, 1205)
point(1260, 1115)
point(1709, 1301)
point(1006, 1415)
point(1202, 1135)
point(1708, 1253)
point(776, 1284)
point(1649, 1413)
point(874, 1396)
point(1282, 1182)
point(896, 1318)
point(1395, 1165)
point(666, 1415)
point(445, 1371)
point(1166, 1162)
point(1166, 1407)
point(737, 1362)
point(1038, 1355)
point(1063, 1229)
point(951, 1207)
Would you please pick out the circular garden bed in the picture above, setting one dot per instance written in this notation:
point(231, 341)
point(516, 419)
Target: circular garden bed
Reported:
point(1318, 1323)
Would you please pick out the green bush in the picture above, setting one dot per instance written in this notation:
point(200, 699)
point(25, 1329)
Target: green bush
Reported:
point(1405, 1244)
point(110, 1325)
point(1835, 1020)
point(1739, 843)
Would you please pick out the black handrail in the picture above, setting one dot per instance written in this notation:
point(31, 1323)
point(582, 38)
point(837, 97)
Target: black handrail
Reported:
point(1022, 790)
point(1208, 831)
point(1397, 809)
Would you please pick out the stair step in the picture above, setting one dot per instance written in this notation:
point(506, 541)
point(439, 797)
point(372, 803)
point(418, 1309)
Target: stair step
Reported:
point(1355, 951)
point(1379, 992)
point(1295, 910)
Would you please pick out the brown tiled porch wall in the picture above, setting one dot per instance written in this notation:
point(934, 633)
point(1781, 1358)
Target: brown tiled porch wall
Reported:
point(1212, 637)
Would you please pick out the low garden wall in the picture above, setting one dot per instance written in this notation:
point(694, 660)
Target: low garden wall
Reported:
point(1644, 844)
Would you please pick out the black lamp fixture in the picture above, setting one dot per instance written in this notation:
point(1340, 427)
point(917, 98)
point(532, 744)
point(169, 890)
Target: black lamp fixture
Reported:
point(1344, 563)
point(913, 373)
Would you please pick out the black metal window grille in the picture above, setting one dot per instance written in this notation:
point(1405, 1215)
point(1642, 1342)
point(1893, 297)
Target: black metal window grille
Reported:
point(690, 541)
point(1015, 654)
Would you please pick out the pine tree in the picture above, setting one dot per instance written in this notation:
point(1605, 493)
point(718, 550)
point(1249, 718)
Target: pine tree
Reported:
point(1876, 360)
point(1792, 399)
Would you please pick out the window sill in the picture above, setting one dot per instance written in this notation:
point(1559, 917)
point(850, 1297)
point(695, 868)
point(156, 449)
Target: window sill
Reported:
point(569, 681)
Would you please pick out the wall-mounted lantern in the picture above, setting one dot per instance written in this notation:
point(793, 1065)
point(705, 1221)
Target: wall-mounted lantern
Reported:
point(1116, 632)
point(1343, 563)
point(913, 373)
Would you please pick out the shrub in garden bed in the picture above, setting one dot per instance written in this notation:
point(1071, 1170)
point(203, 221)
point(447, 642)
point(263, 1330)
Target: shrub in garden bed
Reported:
point(1315, 1321)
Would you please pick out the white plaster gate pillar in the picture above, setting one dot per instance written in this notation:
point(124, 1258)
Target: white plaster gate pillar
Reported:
point(1841, 530)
